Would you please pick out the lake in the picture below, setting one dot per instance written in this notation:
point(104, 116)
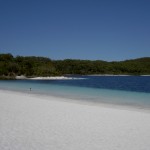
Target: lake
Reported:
point(131, 91)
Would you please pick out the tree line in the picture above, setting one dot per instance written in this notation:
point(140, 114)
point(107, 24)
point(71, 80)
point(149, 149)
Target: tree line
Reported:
point(30, 66)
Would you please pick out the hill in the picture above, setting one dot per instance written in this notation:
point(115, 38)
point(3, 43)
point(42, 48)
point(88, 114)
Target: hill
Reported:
point(11, 66)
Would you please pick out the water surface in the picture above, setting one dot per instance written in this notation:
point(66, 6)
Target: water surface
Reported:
point(123, 90)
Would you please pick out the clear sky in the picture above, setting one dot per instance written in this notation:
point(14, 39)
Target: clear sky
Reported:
point(77, 29)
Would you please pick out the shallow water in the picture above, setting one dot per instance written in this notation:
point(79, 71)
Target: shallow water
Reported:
point(127, 90)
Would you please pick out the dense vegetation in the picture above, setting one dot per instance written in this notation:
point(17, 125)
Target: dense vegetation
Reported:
point(40, 66)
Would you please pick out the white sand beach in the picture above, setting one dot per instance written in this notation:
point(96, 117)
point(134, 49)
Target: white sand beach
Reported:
point(54, 78)
point(30, 122)
point(47, 78)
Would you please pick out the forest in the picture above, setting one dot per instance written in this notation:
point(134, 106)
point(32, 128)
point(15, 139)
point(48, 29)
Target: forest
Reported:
point(32, 66)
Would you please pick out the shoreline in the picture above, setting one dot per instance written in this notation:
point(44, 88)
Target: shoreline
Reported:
point(70, 78)
point(47, 78)
point(63, 77)
point(119, 75)
point(80, 101)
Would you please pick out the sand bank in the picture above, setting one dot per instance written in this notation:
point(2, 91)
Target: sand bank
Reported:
point(29, 122)
point(54, 78)
point(48, 78)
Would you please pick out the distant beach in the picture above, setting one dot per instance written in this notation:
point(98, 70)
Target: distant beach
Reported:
point(47, 78)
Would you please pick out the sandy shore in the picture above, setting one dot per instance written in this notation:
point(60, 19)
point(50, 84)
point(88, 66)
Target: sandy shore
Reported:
point(29, 122)
point(48, 78)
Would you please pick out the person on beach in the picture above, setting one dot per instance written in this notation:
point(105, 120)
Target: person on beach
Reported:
point(30, 89)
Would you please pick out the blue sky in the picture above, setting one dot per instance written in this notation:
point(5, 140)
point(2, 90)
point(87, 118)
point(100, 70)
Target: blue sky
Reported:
point(78, 29)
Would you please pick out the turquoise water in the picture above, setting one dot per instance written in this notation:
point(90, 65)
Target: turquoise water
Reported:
point(79, 90)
